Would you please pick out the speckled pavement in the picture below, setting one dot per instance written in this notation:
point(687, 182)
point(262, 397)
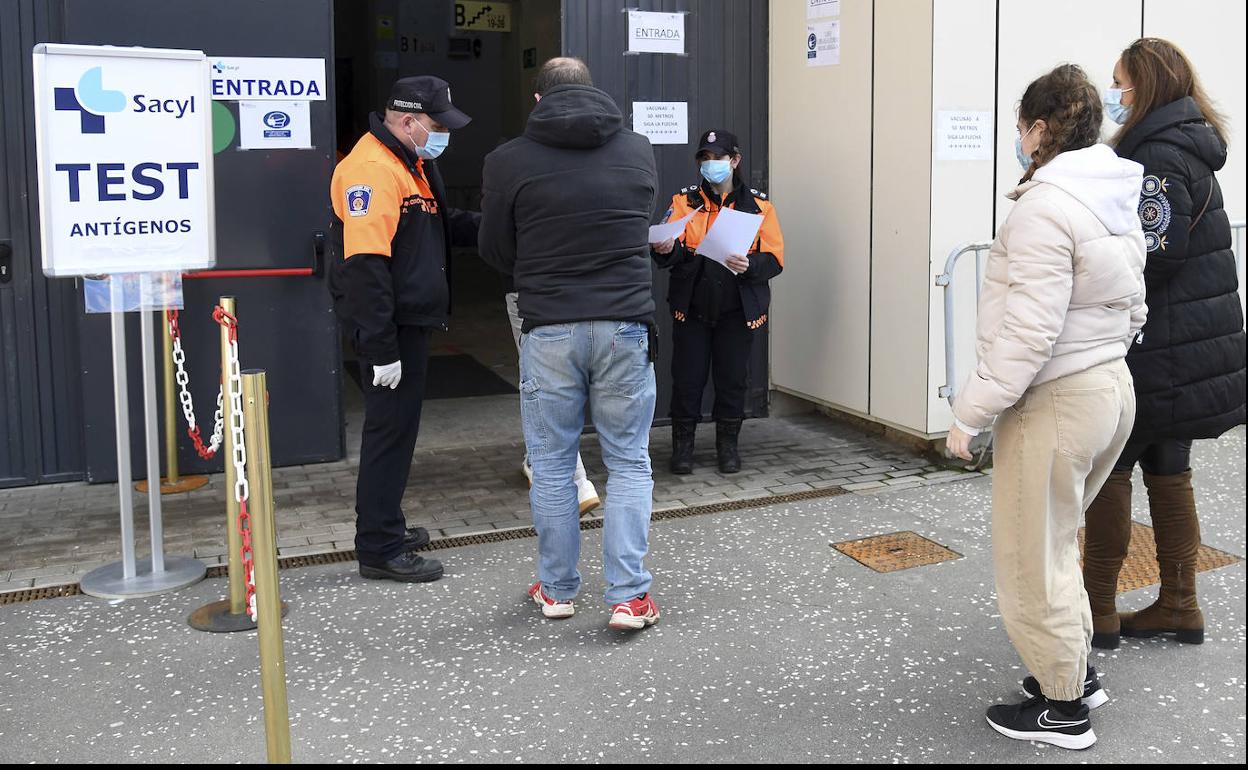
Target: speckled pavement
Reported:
point(52, 535)
point(772, 647)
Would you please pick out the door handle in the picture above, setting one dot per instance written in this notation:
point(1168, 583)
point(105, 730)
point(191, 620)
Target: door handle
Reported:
point(318, 252)
point(6, 262)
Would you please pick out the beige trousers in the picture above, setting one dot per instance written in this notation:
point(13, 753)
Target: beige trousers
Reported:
point(1054, 450)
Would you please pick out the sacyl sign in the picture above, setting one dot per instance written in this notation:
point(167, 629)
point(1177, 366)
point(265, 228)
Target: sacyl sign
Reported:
point(125, 159)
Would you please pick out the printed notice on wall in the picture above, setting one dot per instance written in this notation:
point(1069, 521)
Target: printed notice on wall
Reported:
point(274, 126)
point(823, 43)
point(662, 122)
point(822, 9)
point(964, 135)
point(656, 32)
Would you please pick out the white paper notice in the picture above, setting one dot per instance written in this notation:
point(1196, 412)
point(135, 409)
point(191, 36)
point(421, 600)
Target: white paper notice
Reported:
point(660, 233)
point(732, 232)
point(964, 135)
point(823, 43)
point(274, 125)
point(662, 122)
point(656, 32)
point(822, 9)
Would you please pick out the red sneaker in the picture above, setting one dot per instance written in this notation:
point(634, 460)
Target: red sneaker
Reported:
point(634, 614)
point(550, 607)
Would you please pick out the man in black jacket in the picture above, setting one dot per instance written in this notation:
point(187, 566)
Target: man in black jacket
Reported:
point(566, 211)
point(393, 231)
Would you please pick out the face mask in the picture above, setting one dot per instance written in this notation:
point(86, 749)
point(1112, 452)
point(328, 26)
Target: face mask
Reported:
point(716, 171)
point(435, 145)
point(1024, 160)
point(1114, 107)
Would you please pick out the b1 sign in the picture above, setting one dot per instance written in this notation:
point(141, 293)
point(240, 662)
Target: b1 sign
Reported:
point(124, 151)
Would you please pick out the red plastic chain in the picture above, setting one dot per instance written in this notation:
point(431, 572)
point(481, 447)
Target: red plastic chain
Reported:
point(248, 559)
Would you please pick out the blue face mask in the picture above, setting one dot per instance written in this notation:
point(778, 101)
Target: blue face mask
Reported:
point(1024, 160)
point(1114, 108)
point(435, 145)
point(716, 171)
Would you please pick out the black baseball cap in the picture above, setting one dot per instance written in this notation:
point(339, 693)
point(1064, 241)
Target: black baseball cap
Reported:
point(719, 142)
point(427, 94)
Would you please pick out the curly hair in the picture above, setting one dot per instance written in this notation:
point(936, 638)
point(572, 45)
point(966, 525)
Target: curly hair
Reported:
point(1070, 107)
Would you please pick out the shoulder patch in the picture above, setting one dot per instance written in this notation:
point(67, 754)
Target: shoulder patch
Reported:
point(358, 198)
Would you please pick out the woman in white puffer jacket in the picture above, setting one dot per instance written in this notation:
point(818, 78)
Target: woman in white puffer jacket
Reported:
point(1062, 301)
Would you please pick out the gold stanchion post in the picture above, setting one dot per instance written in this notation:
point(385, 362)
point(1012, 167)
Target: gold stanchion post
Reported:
point(264, 552)
point(171, 408)
point(230, 614)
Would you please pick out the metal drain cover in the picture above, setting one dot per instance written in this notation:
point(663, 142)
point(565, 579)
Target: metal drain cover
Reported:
point(1140, 569)
point(896, 551)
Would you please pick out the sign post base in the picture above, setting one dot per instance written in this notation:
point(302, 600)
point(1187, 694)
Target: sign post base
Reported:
point(110, 582)
point(167, 487)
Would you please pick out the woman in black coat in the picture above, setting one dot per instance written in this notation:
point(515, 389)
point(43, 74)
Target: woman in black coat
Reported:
point(1188, 363)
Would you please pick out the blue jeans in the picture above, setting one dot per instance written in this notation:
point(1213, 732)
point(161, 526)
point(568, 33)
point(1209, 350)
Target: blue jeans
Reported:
point(564, 367)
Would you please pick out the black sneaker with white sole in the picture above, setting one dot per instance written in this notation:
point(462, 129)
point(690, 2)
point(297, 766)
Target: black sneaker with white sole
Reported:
point(1094, 695)
point(1038, 720)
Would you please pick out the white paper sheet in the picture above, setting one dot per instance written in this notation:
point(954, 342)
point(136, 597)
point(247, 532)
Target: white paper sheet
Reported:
point(660, 233)
point(732, 232)
point(274, 125)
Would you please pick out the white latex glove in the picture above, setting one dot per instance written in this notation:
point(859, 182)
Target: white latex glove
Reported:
point(388, 376)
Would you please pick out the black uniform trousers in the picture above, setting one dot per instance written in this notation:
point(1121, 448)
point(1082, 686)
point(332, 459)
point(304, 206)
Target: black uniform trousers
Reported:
point(391, 422)
point(699, 348)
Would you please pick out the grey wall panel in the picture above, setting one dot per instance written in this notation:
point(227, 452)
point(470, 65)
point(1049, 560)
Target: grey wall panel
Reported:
point(269, 203)
point(724, 80)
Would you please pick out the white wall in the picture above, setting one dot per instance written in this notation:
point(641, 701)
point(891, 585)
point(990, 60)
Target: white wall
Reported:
point(900, 222)
point(1211, 33)
point(821, 185)
point(964, 51)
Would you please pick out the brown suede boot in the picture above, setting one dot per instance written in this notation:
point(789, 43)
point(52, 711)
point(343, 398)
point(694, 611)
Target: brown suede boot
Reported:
point(1107, 535)
point(1177, 533)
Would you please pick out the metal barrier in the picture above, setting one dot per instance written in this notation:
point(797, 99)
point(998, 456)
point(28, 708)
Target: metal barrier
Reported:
point(981, 445)
point(945, 280)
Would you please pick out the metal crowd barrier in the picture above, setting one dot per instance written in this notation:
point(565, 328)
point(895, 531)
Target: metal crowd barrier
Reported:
point(945, 280)
point(981, 446)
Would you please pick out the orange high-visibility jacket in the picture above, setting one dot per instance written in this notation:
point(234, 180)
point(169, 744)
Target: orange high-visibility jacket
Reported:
point(689, 270)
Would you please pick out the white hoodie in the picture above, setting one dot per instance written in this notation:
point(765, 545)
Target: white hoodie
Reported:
point(1064, 282)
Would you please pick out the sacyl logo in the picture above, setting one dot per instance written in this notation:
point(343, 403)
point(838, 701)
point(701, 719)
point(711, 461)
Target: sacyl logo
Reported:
point(91, 100)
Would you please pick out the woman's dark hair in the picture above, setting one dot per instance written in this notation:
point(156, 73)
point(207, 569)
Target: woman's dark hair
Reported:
point(1160, 74)
point(1070, 107)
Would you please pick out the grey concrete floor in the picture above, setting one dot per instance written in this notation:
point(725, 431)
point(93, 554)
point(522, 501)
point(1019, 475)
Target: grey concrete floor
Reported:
point(772, 647)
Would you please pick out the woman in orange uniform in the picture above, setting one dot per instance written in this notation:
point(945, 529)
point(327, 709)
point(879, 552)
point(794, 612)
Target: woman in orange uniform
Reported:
point(718, 307)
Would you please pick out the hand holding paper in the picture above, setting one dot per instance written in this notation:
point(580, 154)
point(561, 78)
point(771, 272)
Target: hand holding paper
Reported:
point(670, 230)
point(732, 233)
